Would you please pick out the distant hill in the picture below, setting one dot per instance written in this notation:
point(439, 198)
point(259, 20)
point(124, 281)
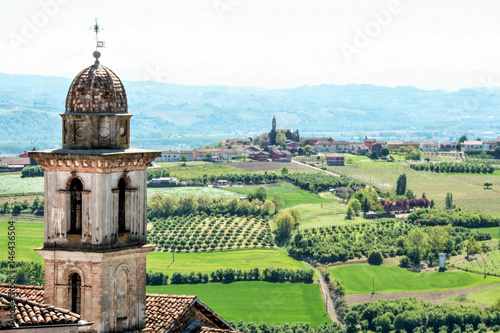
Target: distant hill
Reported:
point(170, 113)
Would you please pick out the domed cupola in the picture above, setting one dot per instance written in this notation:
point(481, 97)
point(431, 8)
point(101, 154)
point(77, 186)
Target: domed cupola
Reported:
point(96, 89)
point(96, 114)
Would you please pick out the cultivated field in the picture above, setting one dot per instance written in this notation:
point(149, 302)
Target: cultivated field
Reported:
point(195, 233)
point(12, 183)
point(489, 261)
point(357, 279)
point(290, 194)
point(467, 189)
point(28, 237)
point(191, 190)
point(257, 301)
point(207, 262)
point(494, 231)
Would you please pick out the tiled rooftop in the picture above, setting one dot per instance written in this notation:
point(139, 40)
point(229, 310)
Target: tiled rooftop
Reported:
point(162, 311)
point(30, 313)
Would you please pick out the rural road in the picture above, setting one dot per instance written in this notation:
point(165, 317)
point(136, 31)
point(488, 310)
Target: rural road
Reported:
point(318, 169)
point(432, 296)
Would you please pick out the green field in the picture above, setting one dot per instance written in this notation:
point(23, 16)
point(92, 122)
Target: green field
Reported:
point(257, 301)
point(494, 231)
point(191, 190)
point(207, 262)
point(491, 262)
point(196, 170)
point(484, 296)
point(28, 236)
point(291, 194)
point(357, 279)
point(12, 183)
point(467, 189)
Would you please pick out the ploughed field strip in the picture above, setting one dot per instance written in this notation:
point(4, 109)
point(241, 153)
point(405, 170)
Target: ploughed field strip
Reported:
point(201, 233)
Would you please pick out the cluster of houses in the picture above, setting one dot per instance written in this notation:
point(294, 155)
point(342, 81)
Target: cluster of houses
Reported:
point(218, 155)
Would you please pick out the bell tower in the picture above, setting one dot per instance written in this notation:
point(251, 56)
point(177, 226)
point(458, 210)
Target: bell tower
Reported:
point(95, 207)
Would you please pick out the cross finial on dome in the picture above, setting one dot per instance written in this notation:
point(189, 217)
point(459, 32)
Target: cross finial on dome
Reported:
point(98, 43)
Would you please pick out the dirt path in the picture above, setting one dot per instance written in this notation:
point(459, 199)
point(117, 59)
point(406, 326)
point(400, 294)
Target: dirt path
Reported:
point(325, 295)
point(432, 296)
point(317, 169)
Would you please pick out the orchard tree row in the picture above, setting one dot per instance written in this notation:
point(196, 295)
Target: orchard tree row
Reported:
point(454, 167)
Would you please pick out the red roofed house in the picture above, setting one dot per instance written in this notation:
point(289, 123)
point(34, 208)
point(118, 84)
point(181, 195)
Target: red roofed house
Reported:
point(281, 156)
point(259, 156)
point(335, 159)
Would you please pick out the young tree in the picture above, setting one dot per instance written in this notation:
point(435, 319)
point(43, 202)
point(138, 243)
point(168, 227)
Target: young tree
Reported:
point(375, 257)
point(409, 194)
point(269, 207)
point(416, 245)
point(307, 149)
point(472, 247)
point(449, 201)
point(277, 201)
point(280, 138)
point(284, 170)
point(284, 223)
point(349, 214)
point(401, 185)
point(355, 205)
point(184, 159)
point(463, 138)
point(488, 185)
point(208, 155)
point(295, 214)
point(384, 151)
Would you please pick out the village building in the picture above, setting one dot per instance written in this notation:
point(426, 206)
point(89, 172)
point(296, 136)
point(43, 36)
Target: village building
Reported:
point(474, 145)
point(260, 156)
point(281, 156)
point(448, 146)
point(429, 146)
point(335, 159)
point(174, 156)
point(394, 145)
point(377, 146)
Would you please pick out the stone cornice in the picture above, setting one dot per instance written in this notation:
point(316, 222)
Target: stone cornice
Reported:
point(94, 161)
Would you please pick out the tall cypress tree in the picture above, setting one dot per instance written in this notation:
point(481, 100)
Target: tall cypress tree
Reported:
point(401, 185)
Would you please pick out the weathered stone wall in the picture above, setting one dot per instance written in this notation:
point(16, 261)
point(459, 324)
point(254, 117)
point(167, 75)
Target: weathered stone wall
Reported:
point(113, 285)
point(99, 209)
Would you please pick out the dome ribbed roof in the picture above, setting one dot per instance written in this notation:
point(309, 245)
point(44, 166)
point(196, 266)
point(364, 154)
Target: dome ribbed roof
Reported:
point(96, 89)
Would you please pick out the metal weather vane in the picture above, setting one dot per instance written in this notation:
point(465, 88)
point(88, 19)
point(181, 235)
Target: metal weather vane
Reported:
point(97, 28)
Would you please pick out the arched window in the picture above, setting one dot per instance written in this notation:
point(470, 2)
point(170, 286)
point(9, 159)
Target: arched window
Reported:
point(75, 190)
point(75, 292)
point(122, 185)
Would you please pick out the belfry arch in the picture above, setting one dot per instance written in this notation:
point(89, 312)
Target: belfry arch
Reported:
point(75, 205)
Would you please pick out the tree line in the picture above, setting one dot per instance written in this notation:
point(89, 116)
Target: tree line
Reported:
point(15, 208)
point(432, 217)
point(26, 272)
point(412, 315)
point(454, 167)
point(228, 275)
point(163, 206)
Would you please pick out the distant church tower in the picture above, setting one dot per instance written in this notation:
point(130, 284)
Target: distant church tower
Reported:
point(95, 207)
point(274, 124)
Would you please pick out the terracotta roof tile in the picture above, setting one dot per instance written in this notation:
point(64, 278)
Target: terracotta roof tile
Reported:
point(29, 313)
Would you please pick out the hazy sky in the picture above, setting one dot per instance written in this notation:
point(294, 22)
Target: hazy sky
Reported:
point(269, 43)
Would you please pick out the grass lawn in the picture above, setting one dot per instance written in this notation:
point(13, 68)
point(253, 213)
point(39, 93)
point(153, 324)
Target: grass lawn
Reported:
point(494, 231)
point(28, 236)
point(12, 183)
point(257, 301)
point(191, 190)
point(483, 296)
point(291, 195)
point(207, 262)
point(357, 279)
point(467, 189)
